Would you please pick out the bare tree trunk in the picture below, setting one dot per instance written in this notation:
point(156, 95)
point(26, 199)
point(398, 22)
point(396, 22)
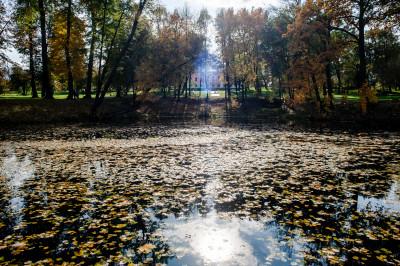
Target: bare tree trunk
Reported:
point(329, 84)
point(68, 54)
point(119, 88)
point(134, 97)
point(362, 75)
point(47, 91)
point(339, 77)
point(328, 69)
point(103, 33)
point(179, 90)
point(186, 87)
point(88, 93)
point(190, 84)
point(32, 66)
point(106, 65)
point(228, 80)
point(316, 91)
point(243, 89)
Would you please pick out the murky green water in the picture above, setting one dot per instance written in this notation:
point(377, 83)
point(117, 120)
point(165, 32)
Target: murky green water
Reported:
point(199, 195)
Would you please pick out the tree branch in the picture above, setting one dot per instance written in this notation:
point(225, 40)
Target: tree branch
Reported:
point(347, 32)
point(107, 85)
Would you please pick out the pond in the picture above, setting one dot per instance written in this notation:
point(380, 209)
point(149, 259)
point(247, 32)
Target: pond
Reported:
point(198, 195)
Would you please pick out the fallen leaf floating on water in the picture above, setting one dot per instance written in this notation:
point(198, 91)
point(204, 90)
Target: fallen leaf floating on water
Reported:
point(147, 248)
point(99, 200)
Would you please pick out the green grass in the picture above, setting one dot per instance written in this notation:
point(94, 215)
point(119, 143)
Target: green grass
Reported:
point(57, 95)
point(388, 97)
point(381, 97)
point(349, 96)
point(196, 94)
point(221, 94)
point(14, 96)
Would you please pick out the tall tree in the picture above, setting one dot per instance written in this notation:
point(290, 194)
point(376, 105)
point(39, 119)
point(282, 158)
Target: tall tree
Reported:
point(274, 47)
point(25, 33)
point(47, 91)
point(384, 55)
point(203, 24)
point(99, 100)
point(176, 46)
point(224, 23)
point(92, 10)
point(312, 50)
point(353, 17)
point(18, 80)
point(4, 27)
point(67, 47)
point(68, 52)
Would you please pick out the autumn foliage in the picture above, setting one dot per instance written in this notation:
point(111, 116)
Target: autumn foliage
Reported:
point(77, 48)
point(301, 53)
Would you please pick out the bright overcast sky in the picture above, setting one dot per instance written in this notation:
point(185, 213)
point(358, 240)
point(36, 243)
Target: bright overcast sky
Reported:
point(213, 5)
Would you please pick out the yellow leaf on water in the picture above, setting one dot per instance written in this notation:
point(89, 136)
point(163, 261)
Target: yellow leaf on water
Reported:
point(146, 248)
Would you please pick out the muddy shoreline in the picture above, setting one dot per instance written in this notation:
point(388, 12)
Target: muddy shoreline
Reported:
point(16, 112)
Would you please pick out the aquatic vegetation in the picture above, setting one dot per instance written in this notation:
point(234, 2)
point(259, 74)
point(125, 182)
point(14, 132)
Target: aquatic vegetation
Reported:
point(199, 194)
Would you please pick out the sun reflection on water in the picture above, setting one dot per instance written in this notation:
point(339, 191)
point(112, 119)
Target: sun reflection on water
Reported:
point(217, 246)
point(16, 172)
point(212, 240)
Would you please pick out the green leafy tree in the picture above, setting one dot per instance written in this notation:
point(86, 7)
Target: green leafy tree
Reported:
point(384, 53)
point(25, 34)
point(4, 43)
point(67, 46)
point(92, 8)
point(4, 28)
point(274, 47)
point(353, 17)
point(19, 80)
point(139, 8)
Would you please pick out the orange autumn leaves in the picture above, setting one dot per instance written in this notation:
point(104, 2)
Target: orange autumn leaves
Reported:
point(76, 47)
point(313, 48)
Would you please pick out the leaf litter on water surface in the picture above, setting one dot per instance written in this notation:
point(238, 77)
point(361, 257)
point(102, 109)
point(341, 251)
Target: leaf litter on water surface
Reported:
point(91, 193)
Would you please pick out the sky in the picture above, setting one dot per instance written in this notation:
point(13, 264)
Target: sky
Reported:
point(214, 5)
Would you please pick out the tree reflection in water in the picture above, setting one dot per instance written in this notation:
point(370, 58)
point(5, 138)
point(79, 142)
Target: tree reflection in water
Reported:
point(202, 194)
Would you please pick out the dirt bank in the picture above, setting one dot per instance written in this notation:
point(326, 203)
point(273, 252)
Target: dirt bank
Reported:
point(20, 111)
point(33, 111)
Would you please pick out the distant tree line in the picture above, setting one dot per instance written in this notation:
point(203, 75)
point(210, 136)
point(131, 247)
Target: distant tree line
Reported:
point(307, 49)
point(304, 50)
point(92, 45)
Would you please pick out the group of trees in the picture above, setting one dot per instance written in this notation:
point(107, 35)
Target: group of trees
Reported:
point(304, 49)
point(239, 37)
point(92, 45)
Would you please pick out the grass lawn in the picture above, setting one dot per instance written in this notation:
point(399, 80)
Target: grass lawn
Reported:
point(219, 93)
point(215, 94)
point(57, 95)
point(381, 97)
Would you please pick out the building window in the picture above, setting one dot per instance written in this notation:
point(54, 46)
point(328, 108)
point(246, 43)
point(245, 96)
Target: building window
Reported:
point(195, 79)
